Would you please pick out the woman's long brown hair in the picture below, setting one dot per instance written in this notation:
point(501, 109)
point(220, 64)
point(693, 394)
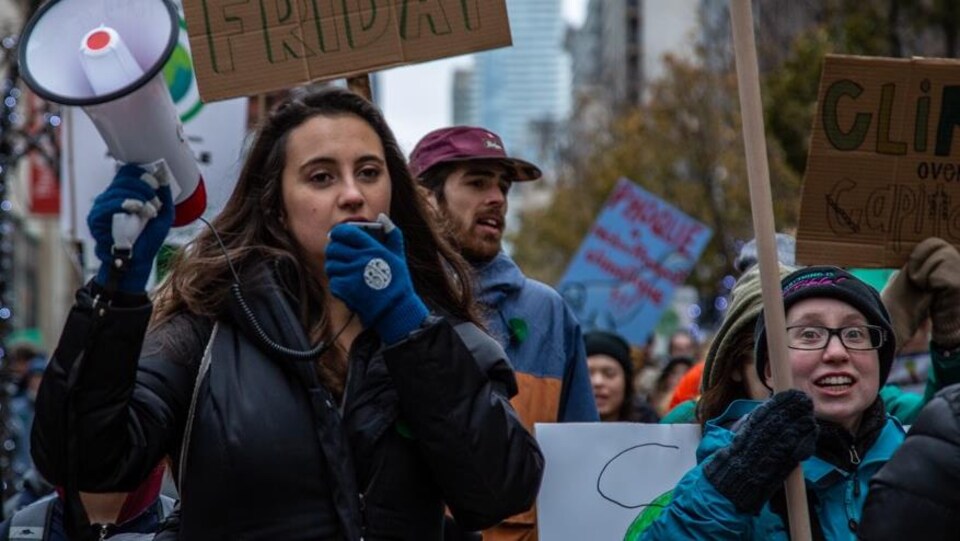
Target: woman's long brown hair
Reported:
point(250, 227)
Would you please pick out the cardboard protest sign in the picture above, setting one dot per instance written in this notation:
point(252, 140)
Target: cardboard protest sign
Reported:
point(609, 480)
point(639, 249)
point(243, 47)
point(883, 172)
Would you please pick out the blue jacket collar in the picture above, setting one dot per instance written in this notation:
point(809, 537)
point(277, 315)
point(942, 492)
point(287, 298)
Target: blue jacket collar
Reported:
point(717, 433)
point(815, 469)
point(497, 279)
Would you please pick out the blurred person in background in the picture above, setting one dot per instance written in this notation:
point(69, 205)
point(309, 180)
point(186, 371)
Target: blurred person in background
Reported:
point(611, 375)
point(688, 388)
point(22, 405)
point(645, 378)
point(683, 343)
point(467, 174)
point(21, 354)
point(667, 382)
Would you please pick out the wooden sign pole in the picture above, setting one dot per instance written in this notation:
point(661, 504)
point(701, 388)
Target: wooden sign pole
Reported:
point(360, 84)
point(761, 202)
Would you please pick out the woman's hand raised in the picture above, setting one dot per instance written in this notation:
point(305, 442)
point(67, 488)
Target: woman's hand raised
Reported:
point(372, 278)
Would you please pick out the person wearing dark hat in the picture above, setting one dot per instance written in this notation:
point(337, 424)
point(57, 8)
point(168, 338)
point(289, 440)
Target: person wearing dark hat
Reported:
point(841, 345)
point(932, 272)
point(467, 173)
point(611, 374)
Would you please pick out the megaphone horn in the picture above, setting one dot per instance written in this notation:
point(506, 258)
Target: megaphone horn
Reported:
point(106, 56)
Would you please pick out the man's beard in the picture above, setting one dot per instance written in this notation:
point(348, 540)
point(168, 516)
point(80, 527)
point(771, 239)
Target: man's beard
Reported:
point(475, 250)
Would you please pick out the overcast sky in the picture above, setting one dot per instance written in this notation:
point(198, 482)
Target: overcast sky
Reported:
point(416, 99)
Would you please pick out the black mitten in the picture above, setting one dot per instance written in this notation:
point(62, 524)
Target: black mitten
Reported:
point(776, 437)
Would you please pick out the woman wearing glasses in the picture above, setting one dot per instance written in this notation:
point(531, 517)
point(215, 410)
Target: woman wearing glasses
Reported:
point(841, 346)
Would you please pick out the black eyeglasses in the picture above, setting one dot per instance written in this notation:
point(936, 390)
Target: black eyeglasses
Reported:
point(855, 337)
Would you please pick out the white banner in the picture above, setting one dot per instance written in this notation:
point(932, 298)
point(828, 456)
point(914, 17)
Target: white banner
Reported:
point(604, 480)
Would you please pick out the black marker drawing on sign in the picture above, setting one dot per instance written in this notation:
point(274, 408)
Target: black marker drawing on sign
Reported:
point(619, 455)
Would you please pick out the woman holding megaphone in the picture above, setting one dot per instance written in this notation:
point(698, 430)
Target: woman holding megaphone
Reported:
point(311, 363)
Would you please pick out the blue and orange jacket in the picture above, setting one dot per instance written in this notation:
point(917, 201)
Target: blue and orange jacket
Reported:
point(544, 343)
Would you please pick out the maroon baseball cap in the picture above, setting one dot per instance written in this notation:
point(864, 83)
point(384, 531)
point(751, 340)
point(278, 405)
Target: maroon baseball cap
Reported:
point(466, 143)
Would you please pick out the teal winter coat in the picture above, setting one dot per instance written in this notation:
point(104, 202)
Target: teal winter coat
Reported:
point(699, 511)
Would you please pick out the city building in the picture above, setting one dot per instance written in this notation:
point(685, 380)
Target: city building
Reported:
point(523, 91)
point(620, 48)
point(464, 104)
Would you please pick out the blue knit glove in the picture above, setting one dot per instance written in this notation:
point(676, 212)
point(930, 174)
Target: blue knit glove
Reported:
point(372, 278)
point(131, 218)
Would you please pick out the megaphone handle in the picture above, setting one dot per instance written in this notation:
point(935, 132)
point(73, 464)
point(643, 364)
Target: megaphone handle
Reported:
point(125, 230)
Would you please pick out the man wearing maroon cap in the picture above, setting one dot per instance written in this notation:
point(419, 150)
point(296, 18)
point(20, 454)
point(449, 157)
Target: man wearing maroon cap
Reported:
point(468, 174)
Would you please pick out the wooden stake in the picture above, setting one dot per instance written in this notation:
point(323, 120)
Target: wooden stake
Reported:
point(761, 202)
point(360, 84)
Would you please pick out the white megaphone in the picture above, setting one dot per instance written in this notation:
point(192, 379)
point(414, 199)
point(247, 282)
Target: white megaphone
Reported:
point(106, 56)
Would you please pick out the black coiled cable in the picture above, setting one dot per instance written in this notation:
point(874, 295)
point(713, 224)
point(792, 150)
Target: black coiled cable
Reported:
point(258, 331)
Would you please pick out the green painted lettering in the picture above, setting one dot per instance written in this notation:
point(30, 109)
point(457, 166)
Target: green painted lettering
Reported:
point(322, 28)
point(922, 121)
point(365, 21)
point(281, 32)
point(949, 119)
point(884, 145)
point(844, 140)
point(471, 14)
point(414, 11)
point(221, 59)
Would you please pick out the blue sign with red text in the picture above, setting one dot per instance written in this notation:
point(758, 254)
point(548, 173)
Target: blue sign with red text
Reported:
point(638, 251)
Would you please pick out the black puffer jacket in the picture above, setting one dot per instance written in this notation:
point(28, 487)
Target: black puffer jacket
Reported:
point(424, 423)
point(916, 495)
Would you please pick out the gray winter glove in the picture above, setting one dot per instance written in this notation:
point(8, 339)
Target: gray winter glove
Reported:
point(907, 304)
point(776, 437)
point(934, 267)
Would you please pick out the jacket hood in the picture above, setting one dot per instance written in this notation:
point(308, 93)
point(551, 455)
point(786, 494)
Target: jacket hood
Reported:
point(497, 279)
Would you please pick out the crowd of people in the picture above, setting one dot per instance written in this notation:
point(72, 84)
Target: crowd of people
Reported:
point(347, 352)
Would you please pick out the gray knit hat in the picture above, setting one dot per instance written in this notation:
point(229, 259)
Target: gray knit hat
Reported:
point(746, 302)
point(748, 256)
